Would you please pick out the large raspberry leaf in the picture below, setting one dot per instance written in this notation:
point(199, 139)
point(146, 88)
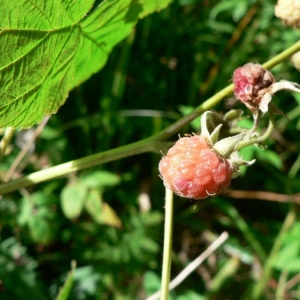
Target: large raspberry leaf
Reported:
point(49, 47)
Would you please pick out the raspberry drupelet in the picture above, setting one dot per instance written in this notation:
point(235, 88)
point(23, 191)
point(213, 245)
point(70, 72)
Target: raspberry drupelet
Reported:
point(192, 169)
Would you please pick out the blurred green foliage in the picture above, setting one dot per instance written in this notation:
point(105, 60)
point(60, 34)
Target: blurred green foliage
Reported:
point(109, 219)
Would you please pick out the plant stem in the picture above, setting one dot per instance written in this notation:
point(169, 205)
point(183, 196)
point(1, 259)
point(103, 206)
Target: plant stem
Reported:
point(81, 164)
point(25, 149)
point(149, 144)
point(167, 254)
point(193, 265)
point(282, 56)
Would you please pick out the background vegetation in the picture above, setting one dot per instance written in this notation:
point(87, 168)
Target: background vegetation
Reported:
point(172, 62)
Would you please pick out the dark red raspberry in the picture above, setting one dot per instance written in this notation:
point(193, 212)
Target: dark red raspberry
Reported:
point(250, 83)
point(192, 169)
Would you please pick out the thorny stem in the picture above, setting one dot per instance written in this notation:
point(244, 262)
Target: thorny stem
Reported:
point(146, 145)
point(282, 56)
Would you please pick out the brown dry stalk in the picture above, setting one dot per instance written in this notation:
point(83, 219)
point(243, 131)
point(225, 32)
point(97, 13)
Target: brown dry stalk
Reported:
point(262, 195)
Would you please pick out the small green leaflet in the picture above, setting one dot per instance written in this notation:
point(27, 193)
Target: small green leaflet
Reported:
point(49, 47)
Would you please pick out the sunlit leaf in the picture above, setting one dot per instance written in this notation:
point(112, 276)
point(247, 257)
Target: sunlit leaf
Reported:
point(269, 157)
point(100, 211)
point(100, 179)
point(151, 6)
point(288, 258)
point(152, 282)
point(93, 205)
point(49, 47)
point(73, 197)
point(109, 216)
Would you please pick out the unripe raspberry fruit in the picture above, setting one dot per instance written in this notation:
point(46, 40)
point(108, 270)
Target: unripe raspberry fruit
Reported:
point(192, 169)
point(288, 11)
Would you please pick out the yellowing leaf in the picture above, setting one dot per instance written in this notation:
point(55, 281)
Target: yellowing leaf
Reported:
point(73, 198)
point(93, 205)
point(109, 216)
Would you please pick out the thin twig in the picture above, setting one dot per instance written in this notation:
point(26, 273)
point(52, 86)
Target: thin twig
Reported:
point(8, 134)
point(292, 282)
point(25, 149)
point(194, 264)
point(262, 195)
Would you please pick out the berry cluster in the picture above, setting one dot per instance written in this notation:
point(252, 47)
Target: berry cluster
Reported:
point(192, 169)
point(288, 11)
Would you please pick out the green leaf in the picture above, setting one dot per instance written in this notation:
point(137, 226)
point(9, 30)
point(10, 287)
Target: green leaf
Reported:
point(151, 282)
point(73, 198)
point(35, 212)
point(269, 157)
point(245, 123)
point(100, 179)
point(191, 295)
point(185, 110)
point(38, 43)
point(247, 153)
point(287, 258)
point(66, 288)
point(93, 205)
point(151, 6)
point(40, 230)
point(105, 27)
point(100, 211)
point(109, 216)
point(49, 47)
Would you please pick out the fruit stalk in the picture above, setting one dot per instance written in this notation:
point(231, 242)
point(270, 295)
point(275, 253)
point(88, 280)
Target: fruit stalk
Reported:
point(167, 252)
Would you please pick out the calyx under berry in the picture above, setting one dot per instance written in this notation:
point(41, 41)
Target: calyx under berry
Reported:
point(226, 147)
